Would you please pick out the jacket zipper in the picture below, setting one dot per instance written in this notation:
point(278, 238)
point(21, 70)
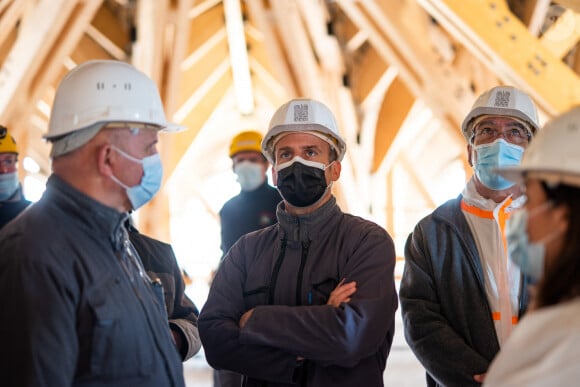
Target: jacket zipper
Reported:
point(305, 247)
point(275, 272)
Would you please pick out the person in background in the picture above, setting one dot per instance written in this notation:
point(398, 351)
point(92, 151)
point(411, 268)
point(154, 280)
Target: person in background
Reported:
point(12, 201)
point(161, 264)
point(252, 209)
point(82, 309)
point(545, 347)
point(255, 206)
point(460, 296)
point(270, 314)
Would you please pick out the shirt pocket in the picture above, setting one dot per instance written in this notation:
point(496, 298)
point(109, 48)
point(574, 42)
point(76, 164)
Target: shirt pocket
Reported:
point(121, 347)
point(321, 285)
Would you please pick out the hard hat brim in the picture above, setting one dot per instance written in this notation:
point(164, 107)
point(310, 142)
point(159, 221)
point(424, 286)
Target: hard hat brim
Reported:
point(517, 174)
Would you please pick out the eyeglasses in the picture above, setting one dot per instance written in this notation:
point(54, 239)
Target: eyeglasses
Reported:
point(134, 127)
point(514, 133)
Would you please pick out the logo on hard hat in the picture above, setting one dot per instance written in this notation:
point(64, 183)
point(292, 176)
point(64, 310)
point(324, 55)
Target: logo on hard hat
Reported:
point(301, 113)
point(502, 99)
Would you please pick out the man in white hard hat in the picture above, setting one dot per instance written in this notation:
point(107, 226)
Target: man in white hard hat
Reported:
point(460, 296)
point(12, 201)
point(543, 350)
point(79, 306)
point(278, 311)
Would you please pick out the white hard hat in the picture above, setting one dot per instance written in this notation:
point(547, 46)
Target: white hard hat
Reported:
point(504, 101)
point(554, 155)
point(101, 91)
point(303, 115)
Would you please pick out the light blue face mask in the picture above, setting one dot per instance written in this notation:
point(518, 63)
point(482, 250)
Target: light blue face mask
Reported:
point(250, 175)
point(497, 154)
point(8, 185)
point(529, 256)
point(150, 183)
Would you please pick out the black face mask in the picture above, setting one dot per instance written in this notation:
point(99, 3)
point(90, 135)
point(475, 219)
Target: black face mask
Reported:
point(301, 185)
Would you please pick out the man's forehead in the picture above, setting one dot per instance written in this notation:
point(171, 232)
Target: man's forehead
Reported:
point(499, 120)
point(247, 155)
point(302, 140)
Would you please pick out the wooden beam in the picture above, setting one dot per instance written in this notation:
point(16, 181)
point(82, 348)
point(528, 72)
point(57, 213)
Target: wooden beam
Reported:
point(563, 35)
point(239, 56)
point(11, 13)
point(298, 49)
point(261, 18)
point(196, 110)
point(394, 110)
point(42, 31)
point(495, 36)
point(572, 4)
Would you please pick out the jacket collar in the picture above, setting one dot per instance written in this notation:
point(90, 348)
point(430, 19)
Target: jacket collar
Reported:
point(307, 227)
point(97, 218)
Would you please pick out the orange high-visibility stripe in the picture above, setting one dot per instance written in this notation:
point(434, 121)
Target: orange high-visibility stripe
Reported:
point(485, 214)
point(497, 316)
point(476, 211)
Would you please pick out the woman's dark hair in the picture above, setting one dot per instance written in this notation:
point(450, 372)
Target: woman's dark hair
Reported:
point(561, 281)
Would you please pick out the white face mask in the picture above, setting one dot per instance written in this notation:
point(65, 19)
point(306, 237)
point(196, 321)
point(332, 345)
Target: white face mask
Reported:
point(8, 185)
point(250, 175)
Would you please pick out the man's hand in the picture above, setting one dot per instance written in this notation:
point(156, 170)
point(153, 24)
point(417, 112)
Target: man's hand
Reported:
point(479, 378)
point(341, 293)
point(245, 317)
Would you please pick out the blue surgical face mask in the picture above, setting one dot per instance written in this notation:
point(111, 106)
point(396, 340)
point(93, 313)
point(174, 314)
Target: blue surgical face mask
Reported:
point(150, 182)
point(497, 154)
point(250, 175)
point(8, 185)
point(529, 256)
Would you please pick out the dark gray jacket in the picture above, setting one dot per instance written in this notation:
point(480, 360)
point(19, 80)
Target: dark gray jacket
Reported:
point(286, 273)
point(160, 263)
point(447, 318)
point(70, 314)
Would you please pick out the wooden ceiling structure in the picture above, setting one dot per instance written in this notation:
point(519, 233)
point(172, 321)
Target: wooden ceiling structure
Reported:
point(400, 75)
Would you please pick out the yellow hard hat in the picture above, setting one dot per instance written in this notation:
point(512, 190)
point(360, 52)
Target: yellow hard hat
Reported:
point(246, 141)
point(7, 143)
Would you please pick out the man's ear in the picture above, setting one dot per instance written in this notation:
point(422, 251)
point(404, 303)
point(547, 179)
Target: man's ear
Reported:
point(469, 148)
point(335, 169)
point(105, 160)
